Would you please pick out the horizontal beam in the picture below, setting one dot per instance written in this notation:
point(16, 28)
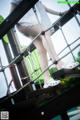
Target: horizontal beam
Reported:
point(15, 16)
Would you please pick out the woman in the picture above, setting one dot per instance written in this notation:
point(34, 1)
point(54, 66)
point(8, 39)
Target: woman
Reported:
point(30, 27)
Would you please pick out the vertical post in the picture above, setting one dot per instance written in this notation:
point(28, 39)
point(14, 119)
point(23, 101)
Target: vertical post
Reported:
point(20, 65)
point(9, 57)
point(12, 68)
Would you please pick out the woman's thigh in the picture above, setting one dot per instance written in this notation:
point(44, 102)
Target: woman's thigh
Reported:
point(31, 32)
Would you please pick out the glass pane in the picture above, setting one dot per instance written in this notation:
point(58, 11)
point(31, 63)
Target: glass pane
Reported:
point(71, 30)
point(58, 41)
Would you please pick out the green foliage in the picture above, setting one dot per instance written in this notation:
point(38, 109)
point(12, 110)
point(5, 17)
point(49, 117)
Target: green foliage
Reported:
point(33, 66)
point(5, 38)
point(52, 70)
point(1, 19)
point(78, 57)
point(68, 81)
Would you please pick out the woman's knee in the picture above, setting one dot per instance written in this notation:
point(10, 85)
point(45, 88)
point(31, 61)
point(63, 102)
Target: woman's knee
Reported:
point(20, 28)
point(41, 50)
point(24, 30)
point(39, 45)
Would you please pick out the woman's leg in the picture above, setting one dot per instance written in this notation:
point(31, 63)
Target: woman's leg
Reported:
point(43, 58)
point(47, 42)
point(32, 31)
point(48, 81)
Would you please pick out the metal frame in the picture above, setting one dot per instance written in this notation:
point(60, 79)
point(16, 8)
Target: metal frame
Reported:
point(20, 64)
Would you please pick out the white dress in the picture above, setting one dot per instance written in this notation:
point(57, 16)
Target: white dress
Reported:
point(30, 18)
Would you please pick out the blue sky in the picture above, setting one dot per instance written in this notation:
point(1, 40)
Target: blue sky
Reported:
point(71, 30)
